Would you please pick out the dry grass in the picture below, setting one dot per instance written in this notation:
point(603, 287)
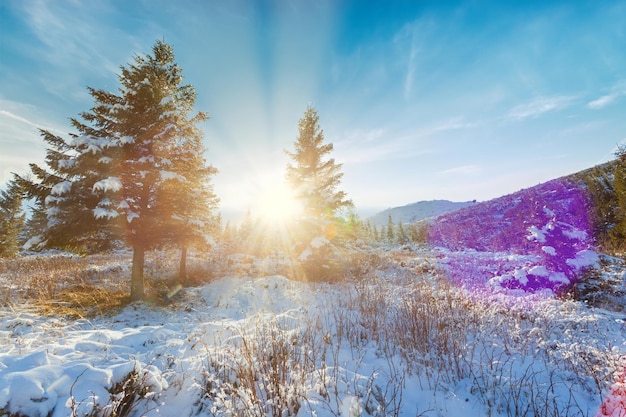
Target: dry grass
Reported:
point(65, 285)
point(84, 301)
point(84, 287)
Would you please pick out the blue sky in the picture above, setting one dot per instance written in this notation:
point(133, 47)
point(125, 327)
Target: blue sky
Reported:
point(422, 100)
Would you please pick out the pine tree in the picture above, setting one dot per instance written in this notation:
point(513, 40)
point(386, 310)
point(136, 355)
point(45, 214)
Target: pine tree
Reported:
point(375, 233)
point(400, 234)
point(187, 200)
point(78, 216)
point(390, 233)
point(136, 169)
point(12, 219)
point(163, 178)
point(315, 178)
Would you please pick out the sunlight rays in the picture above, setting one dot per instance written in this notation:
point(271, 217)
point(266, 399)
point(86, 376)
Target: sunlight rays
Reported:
point(276, 204)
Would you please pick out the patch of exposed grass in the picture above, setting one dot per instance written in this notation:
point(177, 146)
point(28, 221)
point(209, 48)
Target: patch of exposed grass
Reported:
point(84, 301)
point(38, 279)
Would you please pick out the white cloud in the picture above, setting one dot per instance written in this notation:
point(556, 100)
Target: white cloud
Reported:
point(20, 142)
point(462, 170)
point(411, 38)
point(77, 43)
point(18, 118)
point(617, 91)
point(602, 101)
point(539, 107)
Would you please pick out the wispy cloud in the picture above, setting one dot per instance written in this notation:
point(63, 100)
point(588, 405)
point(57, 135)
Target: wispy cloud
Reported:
point(76, 43)
point(363, 146)
point(19, 141)
point(17, 118)
point(462, 170)
point(411, 41)
point(602, 101)
point(453, 124)
point(410, 72)
point(617, 91)
point(539, 107)
point(20, 119)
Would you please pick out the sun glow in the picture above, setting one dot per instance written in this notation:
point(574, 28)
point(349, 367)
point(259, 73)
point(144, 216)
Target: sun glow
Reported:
point(276, 204)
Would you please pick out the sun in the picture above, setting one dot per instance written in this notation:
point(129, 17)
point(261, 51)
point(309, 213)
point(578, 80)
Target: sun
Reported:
point(276, 204)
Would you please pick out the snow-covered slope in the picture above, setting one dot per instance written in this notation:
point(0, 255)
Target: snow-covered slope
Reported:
point(398, 343)
point(415, 212)
point(549, 224)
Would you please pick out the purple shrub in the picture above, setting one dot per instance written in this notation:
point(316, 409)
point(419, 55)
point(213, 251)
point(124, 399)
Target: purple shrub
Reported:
point(547, 226)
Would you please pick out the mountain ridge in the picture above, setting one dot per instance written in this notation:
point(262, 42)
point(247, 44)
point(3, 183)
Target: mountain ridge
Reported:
point(420, 210)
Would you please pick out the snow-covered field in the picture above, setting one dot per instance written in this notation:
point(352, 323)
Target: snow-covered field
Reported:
point(396, 340)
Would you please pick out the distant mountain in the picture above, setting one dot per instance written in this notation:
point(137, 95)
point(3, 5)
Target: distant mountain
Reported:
point(415, 212)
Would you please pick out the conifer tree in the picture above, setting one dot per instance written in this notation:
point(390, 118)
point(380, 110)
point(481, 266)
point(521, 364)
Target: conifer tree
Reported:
point(76, 217)
point(400, 234)
point(163, 177)
point(315, 177)
point(618, 233)
point(136, 169)
point(390, 232)
point(12, 218)
point(600, 188)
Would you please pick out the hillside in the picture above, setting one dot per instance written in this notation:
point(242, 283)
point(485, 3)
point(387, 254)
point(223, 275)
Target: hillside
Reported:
point(548, 234)
point(415, 212)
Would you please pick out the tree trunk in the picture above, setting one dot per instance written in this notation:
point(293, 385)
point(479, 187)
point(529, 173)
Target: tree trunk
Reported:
point(182, 273)
point(136, 279)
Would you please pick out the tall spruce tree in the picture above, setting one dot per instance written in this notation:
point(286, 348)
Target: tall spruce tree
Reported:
point(136, 169)
point(12, 218)
point(164, 193)
point(315, 177)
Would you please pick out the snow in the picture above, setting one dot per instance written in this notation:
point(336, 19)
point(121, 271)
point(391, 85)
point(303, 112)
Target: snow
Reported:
point(105, 213)
point(91, 144)
point(169, 175)
point(126, 140)
point(61, 188)
point(167, 100)
point(166, 130)
point(108, 184)
point(585, 259)
point(33, 242)
point(130, 215)
point(536, 234)
point(66, 163)
point(188, 354)
point(575, 234)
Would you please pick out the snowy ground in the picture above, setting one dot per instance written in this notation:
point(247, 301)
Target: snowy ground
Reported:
point(399, 341)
